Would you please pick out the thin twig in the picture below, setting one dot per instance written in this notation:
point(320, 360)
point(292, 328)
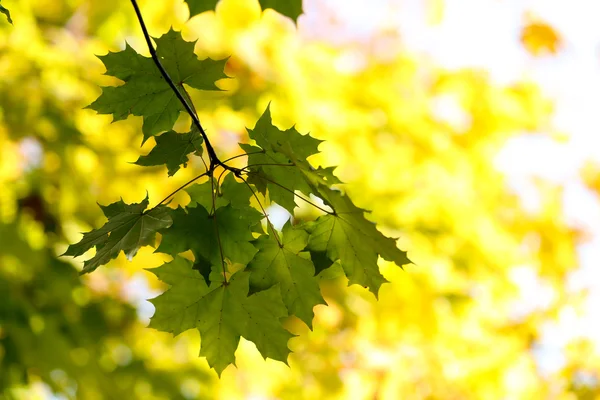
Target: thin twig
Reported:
point(242, 155)
point(264, 213)
point(181, 187)
point(291, 191)
point(203, 162)
point(268, 164)
point(219, 180)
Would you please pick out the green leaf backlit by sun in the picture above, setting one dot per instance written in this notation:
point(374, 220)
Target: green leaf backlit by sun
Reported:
point(129, 227)
point(222, 312)
point(145, 92)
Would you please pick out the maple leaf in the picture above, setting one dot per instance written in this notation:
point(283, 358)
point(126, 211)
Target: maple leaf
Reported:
point(231, 192)
point(177, 308)
point(320, 260)
point(172, 150)
point(346, 235)
point(279, 165)
point(129, 227)
point(287, 265)
point(289, 8)
point(199, 6)
point(5, 11)
point(289, 142)
point(205, 195)
point(270, 172)
point(145, 92)
point(222, 312)
point(343, 234)
point(196, 229)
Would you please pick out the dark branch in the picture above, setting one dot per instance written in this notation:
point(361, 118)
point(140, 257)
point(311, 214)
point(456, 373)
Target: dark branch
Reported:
point(214, 159)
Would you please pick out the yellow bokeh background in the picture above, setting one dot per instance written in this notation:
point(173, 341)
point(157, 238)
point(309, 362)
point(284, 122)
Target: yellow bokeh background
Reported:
point(453, 325)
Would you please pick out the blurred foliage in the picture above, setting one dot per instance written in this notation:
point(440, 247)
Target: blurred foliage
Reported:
point(591, 175)
point(417, 144)
point(539, 38)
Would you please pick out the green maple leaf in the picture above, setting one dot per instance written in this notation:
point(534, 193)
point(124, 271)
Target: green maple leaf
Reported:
point(172, 150)
point(145, 92)
point(129, 227)
point(195, 230)
point(291, 268)
point(222, 321)
point(238, 194)
point(222, 312)
point(345, 208)
point(199, 6)
point(231, 192)
point(279, 165)
point(204, 267)
point(270, 172)
point(177, 308)
point(346, 235)
point(289, 8)
point(290, 142)
point(319, 260)
point(265, 310)
point(204, 194)
point(5, 11)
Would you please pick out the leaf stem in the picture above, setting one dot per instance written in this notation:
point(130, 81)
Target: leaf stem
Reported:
point(242, 155)
point(268, 164)
point(219, 180)
point(264, 213)
point(181, 187)
point(216, 224)
point(291, 191)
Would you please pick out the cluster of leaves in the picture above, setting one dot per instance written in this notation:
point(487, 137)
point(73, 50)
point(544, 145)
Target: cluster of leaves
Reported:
point(245, 276)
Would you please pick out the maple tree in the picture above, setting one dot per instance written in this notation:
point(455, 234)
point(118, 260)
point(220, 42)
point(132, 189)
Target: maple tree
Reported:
point(244, 279)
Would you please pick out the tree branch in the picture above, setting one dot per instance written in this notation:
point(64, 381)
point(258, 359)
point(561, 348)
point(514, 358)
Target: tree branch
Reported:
point(214, 159)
